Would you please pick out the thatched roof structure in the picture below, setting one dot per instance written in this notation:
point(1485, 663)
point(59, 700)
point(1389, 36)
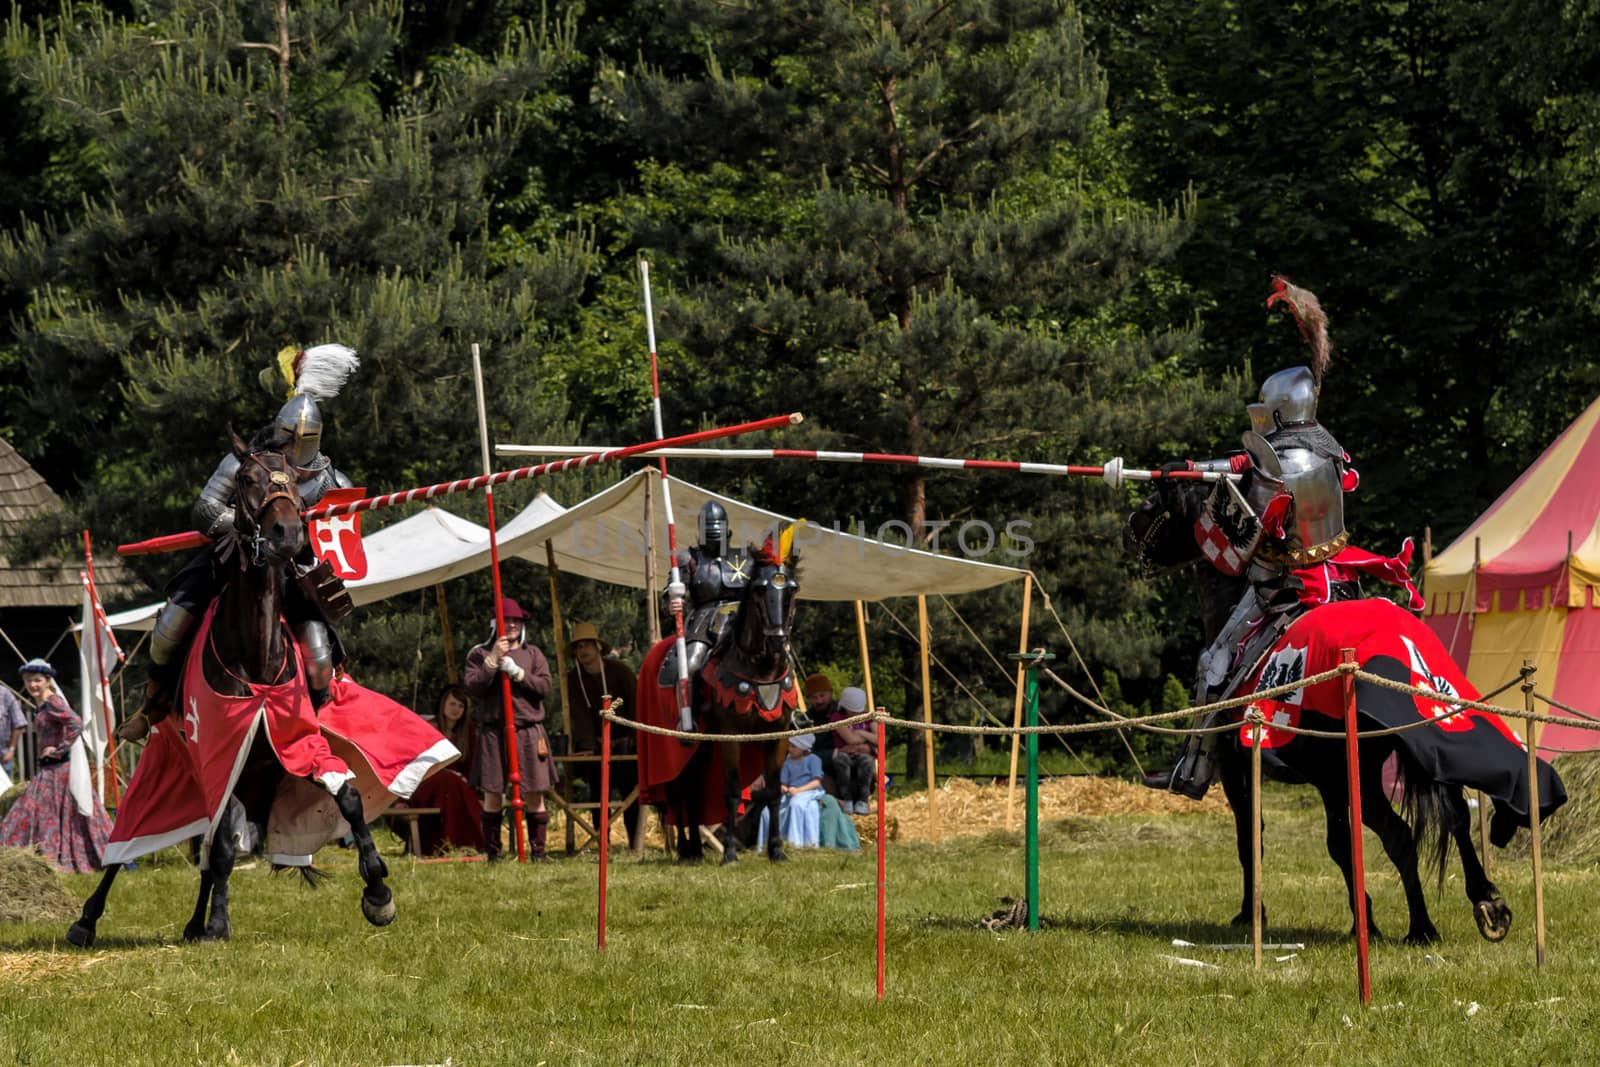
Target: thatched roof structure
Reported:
point(44, 583)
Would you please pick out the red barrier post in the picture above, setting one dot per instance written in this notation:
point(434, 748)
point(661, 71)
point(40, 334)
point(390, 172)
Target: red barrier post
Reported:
point(605, 814)
point(883, 881)
point(1358, 867)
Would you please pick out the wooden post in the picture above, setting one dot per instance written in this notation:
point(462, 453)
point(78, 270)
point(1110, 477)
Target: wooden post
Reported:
point(1016, 712)
point(1531, 738)
point(652, 613)
point(452, 673)
point(1358, 866)
point(883, 825)
point(927, 716)
point(559, 637)
point(1258, 737)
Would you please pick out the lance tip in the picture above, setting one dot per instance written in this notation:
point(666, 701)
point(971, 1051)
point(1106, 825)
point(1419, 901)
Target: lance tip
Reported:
point(795, 418)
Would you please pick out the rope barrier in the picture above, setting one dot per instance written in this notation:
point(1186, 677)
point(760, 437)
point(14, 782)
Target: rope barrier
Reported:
point(1569, 709)
point(1253, 716)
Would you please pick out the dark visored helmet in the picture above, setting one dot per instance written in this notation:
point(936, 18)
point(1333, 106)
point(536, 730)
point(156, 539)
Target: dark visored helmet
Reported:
point(714, 528)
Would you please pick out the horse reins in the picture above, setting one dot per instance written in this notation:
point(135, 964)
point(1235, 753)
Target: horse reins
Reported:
point(282, 488)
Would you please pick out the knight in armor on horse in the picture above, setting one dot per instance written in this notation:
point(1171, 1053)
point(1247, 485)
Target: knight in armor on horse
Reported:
point(713, 576)
point(317, 598)
point(1281, 528)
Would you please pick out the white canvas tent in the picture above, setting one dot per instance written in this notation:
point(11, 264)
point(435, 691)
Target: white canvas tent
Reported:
point(608, 537)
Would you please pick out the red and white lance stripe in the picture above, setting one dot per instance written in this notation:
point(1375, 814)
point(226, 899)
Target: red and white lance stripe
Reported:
point(588, 458)
point(676, 579)
point(1113, 472)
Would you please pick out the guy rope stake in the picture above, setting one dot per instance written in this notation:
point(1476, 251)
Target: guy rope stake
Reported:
point(675, 587)
point(513, 775)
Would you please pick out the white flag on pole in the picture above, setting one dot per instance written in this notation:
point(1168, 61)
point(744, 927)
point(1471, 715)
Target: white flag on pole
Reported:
point(98, 657)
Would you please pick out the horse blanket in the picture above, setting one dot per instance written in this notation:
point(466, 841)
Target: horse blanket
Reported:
point(1473, 749)
point(195, 758)
point(663, 759)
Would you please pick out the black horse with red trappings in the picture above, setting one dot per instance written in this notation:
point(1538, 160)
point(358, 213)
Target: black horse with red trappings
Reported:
point(745, 686)
point(1469, 750)
point(244, 743)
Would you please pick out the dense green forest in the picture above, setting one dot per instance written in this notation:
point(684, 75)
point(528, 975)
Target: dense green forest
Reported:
point(1015, 229)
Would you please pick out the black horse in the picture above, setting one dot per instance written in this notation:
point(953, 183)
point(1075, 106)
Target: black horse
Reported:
point(249, 643)
point(746, 686)
point(1161, 532)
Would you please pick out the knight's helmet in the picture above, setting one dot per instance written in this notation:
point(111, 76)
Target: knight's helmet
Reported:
point(1289, 397)
point(311, 375)
point(714, 528)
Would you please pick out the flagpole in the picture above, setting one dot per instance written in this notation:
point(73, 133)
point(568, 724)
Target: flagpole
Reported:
point(513, 775)
point(675, 581)
point(108, 727)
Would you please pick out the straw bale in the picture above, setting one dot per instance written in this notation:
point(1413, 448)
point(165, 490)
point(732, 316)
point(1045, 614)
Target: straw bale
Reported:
point(30, 889)
point(965, 807)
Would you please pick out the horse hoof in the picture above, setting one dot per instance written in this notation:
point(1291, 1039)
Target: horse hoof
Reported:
point(729, 856)
point(778, 855)
point(194, 932)
point(378, 914)
point(82, 936)
point(1425, 936)
point(1494, 918)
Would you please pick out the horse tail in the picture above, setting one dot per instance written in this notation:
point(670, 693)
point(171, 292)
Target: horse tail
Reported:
point(310, 874)
point(1430, 812)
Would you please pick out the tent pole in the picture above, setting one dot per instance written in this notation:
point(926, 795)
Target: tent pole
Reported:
point(452, 674)
point(558, 634)
point(652, 616)
point(927, 714)
point(1016, 714)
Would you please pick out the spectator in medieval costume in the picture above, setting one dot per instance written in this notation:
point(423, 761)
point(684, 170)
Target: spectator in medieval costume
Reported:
point(855, 754)
point(12, 723)
point(59, 813)
point(311, 375)
point(712, 576)
point(819, 708)
point(1281, 528)
point(460, 821)
point(591, 679)
point(511, 654)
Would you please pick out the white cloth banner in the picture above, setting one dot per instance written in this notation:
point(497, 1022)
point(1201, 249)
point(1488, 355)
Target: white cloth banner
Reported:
point(95, 707)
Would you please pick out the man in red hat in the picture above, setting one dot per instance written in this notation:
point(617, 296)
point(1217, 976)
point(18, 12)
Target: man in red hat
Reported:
point(512, 655)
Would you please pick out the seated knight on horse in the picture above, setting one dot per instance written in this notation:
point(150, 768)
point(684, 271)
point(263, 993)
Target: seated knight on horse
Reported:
point(316, 598)
point(713, 576)
point(1281, 527)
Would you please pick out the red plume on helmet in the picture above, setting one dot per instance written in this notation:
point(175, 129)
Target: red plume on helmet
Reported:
point(1309, 316)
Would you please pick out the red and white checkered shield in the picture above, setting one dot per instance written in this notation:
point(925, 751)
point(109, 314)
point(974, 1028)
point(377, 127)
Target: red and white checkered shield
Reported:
point(1227, 531)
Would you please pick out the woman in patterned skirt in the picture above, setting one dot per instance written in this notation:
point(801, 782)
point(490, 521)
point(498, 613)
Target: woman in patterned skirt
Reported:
point(69, 830)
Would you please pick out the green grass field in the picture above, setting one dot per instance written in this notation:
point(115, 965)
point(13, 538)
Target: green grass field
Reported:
point(764, 964)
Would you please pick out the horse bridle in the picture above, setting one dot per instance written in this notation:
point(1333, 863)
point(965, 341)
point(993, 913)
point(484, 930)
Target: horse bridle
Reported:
point(282, 486)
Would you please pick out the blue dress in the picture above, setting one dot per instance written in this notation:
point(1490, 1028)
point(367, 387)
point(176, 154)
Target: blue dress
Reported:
point(799, 817)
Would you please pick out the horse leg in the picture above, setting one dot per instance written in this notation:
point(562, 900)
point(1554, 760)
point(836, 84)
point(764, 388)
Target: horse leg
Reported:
point(1335, 805)
point(1400, 844)
point(1236, 787)
point(377, 903)
point(1489, 908)
point(81, 934)
point(195, 928)
point(767, 797)
point(730, 796)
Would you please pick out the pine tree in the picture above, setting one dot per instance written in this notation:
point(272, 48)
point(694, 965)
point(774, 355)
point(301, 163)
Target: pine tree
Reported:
point(265, 180)
point(910, 220)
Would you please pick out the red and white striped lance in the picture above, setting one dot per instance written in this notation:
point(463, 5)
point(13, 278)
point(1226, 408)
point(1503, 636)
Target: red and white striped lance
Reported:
point(1114, 472)
point(675, 579)
point(587, 458)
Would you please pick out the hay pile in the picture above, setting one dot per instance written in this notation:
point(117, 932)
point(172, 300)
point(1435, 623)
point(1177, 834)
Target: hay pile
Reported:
point(31, 890)
point(1573, 833)
point(966, 807)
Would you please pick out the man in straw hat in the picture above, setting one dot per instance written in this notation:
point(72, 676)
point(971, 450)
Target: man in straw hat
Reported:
point(592, 678)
